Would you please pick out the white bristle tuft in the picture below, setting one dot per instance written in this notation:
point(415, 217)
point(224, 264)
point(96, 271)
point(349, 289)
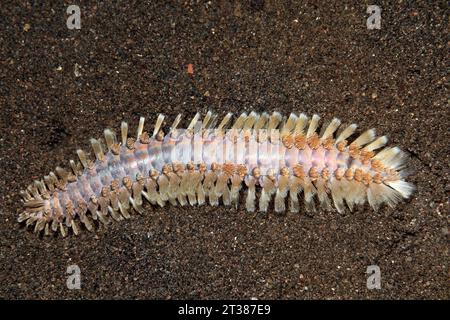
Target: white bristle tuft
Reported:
point(365, 138)
point(251, 120)
point(391, 157)
point(158, 124)
point(239, 123)
point(405, 188)
point(175, 123)
point(386, 152)
point(301, 123)
point(206, 119)
point(313, 124)
point(193, 121)
point(96, 146)
point(82, 157)
point(332, 127)
point(224, 121)
point(140, 127)
point(261, 121)
point(290, 124)
point(346, 133)
point(124, 132)
point(377, 194)
point(110, 137)
point(274, 120)
point(377, 144)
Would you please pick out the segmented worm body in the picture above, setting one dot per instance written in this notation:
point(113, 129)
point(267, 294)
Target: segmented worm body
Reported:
point(276, 159)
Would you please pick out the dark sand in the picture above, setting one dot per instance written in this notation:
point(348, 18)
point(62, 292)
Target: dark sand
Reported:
point(259, 56)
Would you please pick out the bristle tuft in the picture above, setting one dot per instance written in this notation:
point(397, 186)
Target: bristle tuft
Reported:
point(406, 189)
point(193, 121)
point(175, 124)
point(346, 133)
point(332, 127)
point(224, 122)
point(377, 144)
point(313, 124)
point(110, 138)
point(124, 132)
point(274, 120)
point(301, 123)
point(365, 138)
point(239, 123)
point(96, 146)
point(289, 126)
point(83, 158)
point(140, 127)
point(158, 125)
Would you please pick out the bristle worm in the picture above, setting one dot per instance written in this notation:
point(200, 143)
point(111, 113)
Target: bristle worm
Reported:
point(276, 158)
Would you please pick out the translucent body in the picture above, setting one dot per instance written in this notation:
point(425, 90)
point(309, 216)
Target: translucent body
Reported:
point(206, 148)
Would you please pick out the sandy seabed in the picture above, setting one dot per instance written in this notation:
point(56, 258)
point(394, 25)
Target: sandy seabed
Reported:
point(60, 87)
